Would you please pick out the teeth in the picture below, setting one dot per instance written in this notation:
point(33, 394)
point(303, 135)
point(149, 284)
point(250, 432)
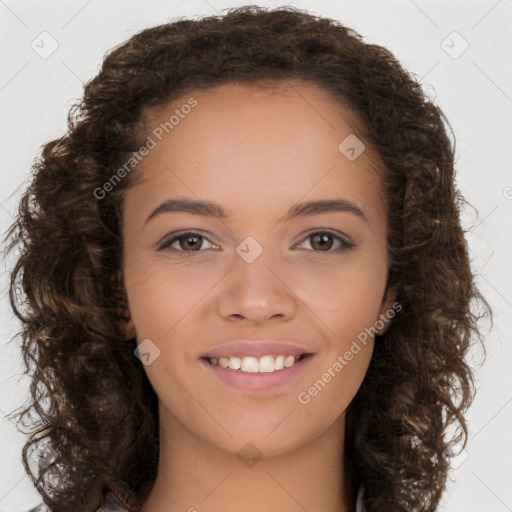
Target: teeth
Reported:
point(288, 361)
point(250, 364)
point(234, 363)
point(266, 364)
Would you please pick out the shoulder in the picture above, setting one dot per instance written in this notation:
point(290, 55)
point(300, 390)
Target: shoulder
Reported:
point(115, 499)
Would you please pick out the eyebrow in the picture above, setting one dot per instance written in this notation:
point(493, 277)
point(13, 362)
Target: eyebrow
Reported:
point(210, 209)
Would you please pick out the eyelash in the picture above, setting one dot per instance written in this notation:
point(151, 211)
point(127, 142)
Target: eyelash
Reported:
point(166, 244)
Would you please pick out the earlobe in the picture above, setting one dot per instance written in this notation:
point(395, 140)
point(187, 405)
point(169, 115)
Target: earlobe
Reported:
point(388, 299)
point(127, 324)
point(129, 329)
point(387, 310)
point(122, 307)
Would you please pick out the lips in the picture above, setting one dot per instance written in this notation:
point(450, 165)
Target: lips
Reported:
point(256, 348)
point(256, 365)
point(250, 364)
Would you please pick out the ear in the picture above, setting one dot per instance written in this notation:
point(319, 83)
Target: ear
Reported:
point(388, 308)
point(122, 307)
point(126, 322)
point(129, 329)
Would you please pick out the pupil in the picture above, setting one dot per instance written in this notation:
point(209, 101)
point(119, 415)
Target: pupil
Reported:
point(192, 238)
point(323, 240)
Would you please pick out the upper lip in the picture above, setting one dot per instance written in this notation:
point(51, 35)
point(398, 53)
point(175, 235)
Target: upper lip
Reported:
point(257, 348)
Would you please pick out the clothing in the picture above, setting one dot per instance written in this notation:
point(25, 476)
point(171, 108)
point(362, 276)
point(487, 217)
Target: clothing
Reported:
point(359, 499)
point(112, 502)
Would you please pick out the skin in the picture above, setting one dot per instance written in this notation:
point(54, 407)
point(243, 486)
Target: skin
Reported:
point(256, 151)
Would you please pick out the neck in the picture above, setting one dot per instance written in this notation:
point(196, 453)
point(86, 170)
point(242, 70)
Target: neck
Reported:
point(196, 475)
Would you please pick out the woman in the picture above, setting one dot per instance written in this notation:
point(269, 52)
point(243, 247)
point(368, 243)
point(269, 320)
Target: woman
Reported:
point(247, 286)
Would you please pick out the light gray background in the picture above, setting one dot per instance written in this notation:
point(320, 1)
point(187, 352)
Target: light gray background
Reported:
point(474, 90)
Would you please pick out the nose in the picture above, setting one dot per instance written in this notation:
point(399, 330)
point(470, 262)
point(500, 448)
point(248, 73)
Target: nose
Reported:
point(257, 292)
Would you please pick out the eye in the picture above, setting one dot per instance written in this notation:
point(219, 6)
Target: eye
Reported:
point(191, 241)
point(321, 239)
point(187, 242)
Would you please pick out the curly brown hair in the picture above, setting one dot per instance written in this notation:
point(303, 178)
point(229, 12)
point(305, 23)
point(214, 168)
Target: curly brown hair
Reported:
point(67, 289)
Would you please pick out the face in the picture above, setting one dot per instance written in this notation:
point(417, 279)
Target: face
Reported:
point(259, 281)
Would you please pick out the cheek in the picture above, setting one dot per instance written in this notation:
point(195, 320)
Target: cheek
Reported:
point(346, 295)
point(170, 303)
point(347, 302)
point(159, 297)
point(333, 387)
point(353, 310)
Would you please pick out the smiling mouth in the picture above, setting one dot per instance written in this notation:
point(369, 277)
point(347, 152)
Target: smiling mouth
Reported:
point(250, 364)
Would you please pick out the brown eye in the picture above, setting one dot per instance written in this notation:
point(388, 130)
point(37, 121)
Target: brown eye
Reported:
point(184, 243)
point(190, 242)
point(323, 241)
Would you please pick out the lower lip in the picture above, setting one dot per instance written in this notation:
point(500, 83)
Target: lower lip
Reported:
point(257, 381)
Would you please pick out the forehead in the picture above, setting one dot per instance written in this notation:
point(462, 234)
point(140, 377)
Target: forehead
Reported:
point(244, 141)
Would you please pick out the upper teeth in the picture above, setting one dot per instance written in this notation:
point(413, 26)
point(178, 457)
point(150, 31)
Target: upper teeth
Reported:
point(252, 364)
